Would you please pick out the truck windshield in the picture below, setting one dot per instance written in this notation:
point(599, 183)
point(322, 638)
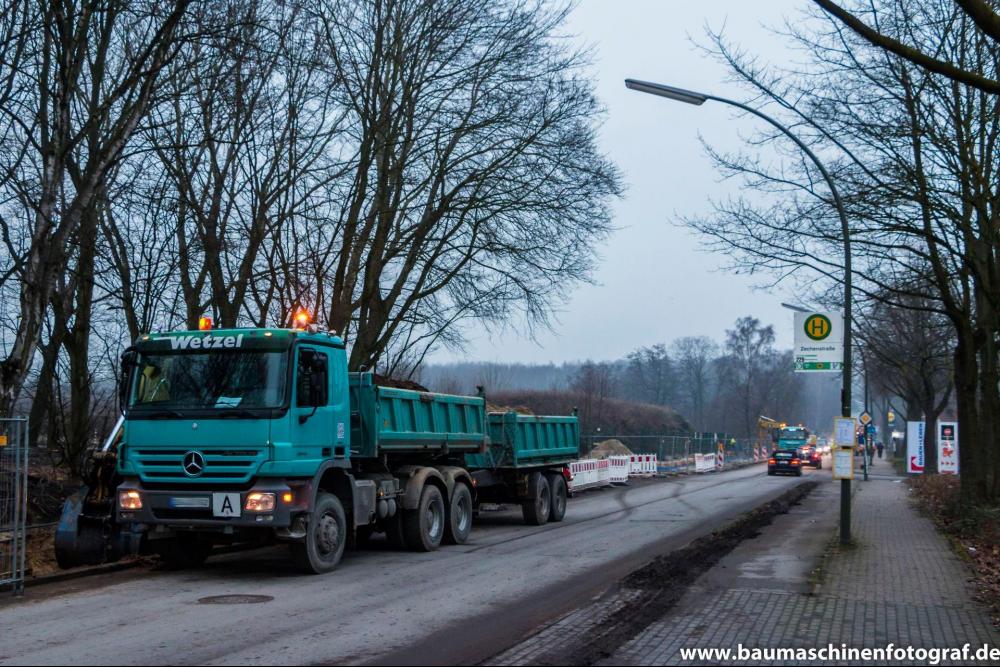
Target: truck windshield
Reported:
point(210, 380)
point(794, 434)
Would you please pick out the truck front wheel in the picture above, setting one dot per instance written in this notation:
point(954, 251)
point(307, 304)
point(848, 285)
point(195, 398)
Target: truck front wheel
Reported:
point(323, 546)
point(459, 525)
point(424, 526)
point(536, 509)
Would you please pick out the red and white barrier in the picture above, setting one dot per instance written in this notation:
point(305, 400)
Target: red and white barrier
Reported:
point(620, 468)
point(704, 462)
point(589, 474)
point(642, 464)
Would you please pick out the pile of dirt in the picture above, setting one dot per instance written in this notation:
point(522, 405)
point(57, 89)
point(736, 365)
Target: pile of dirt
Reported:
point(606, 448)
point(519, 409)
point(40, 559)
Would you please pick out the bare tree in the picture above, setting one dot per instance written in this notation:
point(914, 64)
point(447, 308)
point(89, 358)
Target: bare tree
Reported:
point(909, 352)
point(693, 357)
point(650, 375)
point(748, 354)
point(477, 188)
point(76, 90)
point(912, 152)
point(921, 54)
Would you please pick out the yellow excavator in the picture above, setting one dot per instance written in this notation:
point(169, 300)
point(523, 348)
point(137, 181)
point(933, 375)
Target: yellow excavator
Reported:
point(767, 432)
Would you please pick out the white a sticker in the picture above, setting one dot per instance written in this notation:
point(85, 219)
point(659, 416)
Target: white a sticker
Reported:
point(225, 504)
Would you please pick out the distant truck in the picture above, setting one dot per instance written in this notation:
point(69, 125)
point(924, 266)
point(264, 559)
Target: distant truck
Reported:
point(246, 435)
point(793, 437)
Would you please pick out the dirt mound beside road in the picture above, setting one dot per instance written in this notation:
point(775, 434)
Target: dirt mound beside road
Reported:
point(606, 448)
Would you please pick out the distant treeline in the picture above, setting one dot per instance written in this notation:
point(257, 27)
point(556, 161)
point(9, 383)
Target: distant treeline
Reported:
point(692, 383)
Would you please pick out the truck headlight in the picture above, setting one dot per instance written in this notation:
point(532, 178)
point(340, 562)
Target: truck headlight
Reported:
point(129, 500)
point(259, 502)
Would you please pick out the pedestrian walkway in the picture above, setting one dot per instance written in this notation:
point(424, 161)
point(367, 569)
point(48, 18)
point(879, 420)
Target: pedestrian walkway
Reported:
point(901, 584)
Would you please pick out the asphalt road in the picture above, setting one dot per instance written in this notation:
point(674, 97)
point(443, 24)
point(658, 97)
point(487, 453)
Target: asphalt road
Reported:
point(458, 605)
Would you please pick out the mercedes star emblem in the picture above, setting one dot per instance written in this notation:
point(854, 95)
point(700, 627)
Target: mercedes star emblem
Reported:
point(194, 464)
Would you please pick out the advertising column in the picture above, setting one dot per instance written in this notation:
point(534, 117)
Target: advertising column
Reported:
point(915, 447)
point(947, 448)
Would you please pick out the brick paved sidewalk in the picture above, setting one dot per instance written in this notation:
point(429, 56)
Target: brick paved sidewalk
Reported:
point(901, 584)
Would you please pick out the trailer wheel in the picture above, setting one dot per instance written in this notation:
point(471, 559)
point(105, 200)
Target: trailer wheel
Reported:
point(536, 509)
point(459, 524)
point(424, 526)
point(326, 536)
point(557, 508)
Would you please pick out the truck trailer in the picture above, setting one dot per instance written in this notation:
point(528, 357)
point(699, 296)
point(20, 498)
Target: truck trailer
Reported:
point(262, 435)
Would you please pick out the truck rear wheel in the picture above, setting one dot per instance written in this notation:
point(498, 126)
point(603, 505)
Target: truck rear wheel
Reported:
point(459, 524)
point(326, 536)
point(536, 509)
point(424, 526)
point(559, 491)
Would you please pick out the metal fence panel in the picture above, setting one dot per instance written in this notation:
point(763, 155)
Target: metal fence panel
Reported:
point(13, 502)
point(675, 453)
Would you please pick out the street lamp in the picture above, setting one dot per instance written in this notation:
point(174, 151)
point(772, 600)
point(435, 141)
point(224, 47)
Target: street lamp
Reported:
point(697, 99)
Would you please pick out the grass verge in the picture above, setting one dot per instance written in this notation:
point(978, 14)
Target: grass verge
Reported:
point(974, 533)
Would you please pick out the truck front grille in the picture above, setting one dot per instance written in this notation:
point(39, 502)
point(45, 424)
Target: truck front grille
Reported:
point(222, 464)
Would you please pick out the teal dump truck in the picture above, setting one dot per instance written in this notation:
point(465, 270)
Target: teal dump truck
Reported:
point(793, 437)
point(260, 435)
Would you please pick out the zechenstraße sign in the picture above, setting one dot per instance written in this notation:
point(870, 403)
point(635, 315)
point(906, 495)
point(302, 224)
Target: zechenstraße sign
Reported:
point(819, 342)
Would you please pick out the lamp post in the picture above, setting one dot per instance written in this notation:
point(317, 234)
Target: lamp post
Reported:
point(697, 99)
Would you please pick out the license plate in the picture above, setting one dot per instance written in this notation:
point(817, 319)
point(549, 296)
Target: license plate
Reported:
point(225, 504)
point(189, 503)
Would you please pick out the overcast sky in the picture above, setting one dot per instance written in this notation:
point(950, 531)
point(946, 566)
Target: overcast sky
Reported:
point(653, 283)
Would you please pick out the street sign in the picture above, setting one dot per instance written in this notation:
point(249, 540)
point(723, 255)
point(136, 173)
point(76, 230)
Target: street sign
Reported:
point(843, 431)
point(865, 418)
point(843, 463)
point(819, 342)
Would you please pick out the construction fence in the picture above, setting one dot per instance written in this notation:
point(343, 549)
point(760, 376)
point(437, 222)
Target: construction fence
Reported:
point(13, 502)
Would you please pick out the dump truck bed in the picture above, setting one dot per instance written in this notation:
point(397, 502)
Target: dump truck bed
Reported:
point(525, 441)
point(387, 420)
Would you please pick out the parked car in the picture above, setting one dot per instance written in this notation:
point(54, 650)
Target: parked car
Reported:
point(785, 462)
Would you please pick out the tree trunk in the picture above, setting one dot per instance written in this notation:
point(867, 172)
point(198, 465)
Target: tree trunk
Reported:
point(973, 487)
